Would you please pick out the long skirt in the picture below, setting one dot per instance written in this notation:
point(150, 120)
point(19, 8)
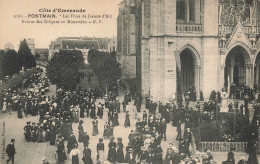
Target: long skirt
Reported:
point(111, 155)
point(106, 134)
point(115, 122)
point(87, 160)
point(61, 155)
point(127, 122)
point(75, 159)
point(120, 156)
point(52, 140)
point(40, 137)
point(19, 113)
point(101, 156)
point(95, 130)
point(81, 136)
point(4, 109)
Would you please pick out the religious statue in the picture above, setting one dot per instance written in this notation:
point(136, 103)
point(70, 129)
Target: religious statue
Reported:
point(224, 103)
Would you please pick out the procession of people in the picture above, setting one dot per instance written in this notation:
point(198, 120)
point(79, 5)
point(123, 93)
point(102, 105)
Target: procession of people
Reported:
point(57, 114)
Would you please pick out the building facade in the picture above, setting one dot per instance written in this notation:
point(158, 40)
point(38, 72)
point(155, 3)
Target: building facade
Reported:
point(198, 44)
point(129, 38)
point(84, 44)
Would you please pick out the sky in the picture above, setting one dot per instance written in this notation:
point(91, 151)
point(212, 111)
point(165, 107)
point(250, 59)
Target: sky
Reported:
point(13, 30)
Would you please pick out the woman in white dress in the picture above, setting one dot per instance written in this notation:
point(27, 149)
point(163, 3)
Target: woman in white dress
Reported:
point(105, 114)
point(4, 109)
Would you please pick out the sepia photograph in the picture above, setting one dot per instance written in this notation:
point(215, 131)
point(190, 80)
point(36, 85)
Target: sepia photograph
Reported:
point(129, 81)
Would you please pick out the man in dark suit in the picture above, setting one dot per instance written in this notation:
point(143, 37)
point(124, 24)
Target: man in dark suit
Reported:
point(10, 151)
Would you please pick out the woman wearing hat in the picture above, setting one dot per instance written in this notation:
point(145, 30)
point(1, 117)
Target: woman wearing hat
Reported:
point(95, 127)
point(112, 150)
point(120, 153)
point(81, 131)
point(127, 120)
point(100, 151)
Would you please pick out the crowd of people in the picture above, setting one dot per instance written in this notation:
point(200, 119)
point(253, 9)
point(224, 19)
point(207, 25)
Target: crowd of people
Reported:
point(57, 114)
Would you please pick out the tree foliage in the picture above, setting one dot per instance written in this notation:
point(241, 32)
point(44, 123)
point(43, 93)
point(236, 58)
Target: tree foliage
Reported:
point(105, 66)
point(8, 63)
point(2, 56)
point(11, 62)
point(63, 68)
point(25, 56)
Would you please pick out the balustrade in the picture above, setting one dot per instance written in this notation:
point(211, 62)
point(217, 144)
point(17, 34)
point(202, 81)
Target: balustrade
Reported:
point(189, 28)
point(223, 146)
point(249, 30)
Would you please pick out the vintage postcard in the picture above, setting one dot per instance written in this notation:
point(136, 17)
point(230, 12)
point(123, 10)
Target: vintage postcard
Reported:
point(129, 81)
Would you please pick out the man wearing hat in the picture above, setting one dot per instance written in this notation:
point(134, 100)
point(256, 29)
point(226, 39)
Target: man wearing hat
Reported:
point(10, 151)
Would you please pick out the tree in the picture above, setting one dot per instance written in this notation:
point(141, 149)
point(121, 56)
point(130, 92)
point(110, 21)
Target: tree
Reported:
point(25, 56)
point(63, 68)
point(105, 66)
point(2, 64)
point(11, 62)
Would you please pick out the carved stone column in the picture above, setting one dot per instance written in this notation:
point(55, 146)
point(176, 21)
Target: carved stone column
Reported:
point(232, 71)
point(248, 68)
point(197, 81)
point(257, 75)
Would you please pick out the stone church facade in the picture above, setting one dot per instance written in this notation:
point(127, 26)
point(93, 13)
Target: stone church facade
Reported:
point(199, 44)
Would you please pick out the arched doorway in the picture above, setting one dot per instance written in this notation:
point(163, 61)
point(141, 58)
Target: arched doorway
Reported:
point(188, 75)
point(237, 69)
point(187, 70)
